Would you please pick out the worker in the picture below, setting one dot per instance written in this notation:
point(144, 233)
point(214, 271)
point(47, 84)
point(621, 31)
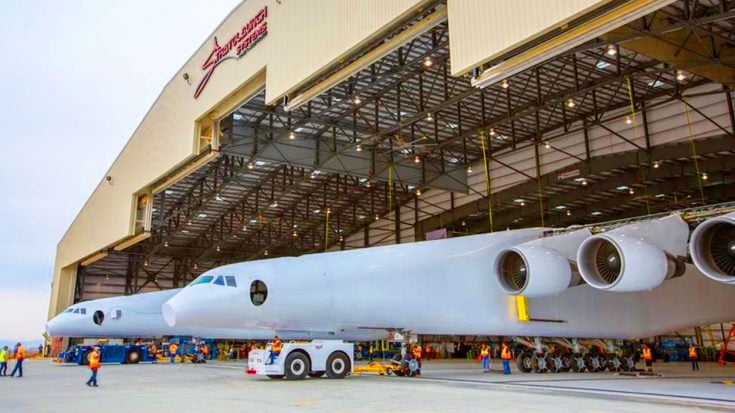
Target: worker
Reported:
point(154, 352)
point(485, 358)
point(276, 347)
point(693, 357)
point(20, 355)
point(371, 350)
point(647, 358)
point(94, 365)
point(505, 355)
point(417, 353)
point(4, 361)
point(205, 351)
point(172, 349)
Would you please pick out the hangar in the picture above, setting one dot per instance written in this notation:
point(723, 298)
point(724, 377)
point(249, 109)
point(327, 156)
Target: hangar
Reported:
point(399, 125)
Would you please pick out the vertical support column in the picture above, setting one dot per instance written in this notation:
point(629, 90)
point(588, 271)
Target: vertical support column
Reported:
point(397, 223)
point(728, 96)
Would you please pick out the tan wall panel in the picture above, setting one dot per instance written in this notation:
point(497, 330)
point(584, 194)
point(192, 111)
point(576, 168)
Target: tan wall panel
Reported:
point(482, 29)
point(316, 33)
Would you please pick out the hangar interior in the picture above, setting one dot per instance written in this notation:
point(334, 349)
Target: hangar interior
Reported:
point(392, 149)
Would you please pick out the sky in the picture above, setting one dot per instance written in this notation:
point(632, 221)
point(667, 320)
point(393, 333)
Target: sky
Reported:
point(76, 79)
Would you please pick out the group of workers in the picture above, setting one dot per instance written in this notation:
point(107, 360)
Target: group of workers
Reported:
point(20, 355)
point(505, 356)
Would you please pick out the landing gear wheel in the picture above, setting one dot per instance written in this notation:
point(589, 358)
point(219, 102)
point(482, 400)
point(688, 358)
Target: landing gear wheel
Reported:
point(628, 364)
point(133, 357)
point(566, 362)
point(297, 366)
point(338, 365)
point(413, 368)
point(524, 362)
point(556, 363)
point(389, 371)
point(540, 363)
point(276, 376)
point(577, 364)
point(613, 363)
point(316, 374)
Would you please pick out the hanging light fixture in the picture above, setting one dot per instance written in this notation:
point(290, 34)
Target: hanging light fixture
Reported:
point(547, 145)
point(612, 50)
point(628, 120)
point(416, 159)
point(681, 75)
point(571, 103)
point(492, 132)
point(429, 118)
point(292, 135)
point(428, 62)
point(418, 192)
point(705, 176)
point(656, 165)
point(356, 100)
point(469, 169)
point(504, 84)
point(358, 148)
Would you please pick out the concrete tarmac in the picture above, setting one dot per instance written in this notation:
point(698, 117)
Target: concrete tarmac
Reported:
point(443, 386)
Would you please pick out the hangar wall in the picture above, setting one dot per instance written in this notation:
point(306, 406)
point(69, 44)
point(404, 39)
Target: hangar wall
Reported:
point(480, 30)
point(166, 137)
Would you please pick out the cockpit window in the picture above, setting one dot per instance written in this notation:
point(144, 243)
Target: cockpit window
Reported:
point(231, 281)
point(258, 292)
point(76, 311)
point(203, 279)
point(83, 310)
point(219, 281)
point(69, 310)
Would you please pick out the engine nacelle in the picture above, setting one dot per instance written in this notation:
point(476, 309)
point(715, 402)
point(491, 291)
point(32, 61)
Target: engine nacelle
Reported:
point(541, 267)
point(712, 248)
point(636, 257)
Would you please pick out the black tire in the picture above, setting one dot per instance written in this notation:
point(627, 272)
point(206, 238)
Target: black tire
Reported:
point(275, 376)
point(524, 362)
point(133, 357)
point(566, 362)
point(297, 366)
point(338, 365)
point(576, 365)
point(85, 358)
point(389, 371)
point(316, 374)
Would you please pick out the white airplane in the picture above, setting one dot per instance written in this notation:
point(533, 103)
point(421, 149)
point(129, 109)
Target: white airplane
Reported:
point(139, 315)
point(619, 283)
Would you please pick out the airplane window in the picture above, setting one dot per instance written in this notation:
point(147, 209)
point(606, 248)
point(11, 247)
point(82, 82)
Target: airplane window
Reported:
point(231, 281)
point(258, 292)
point(219, 281)
point(84, 311)
point(76, 311)
point(98, 317)
point(203, 279)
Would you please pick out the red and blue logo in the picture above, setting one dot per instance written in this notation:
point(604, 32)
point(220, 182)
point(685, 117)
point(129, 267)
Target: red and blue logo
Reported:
point(238, 46)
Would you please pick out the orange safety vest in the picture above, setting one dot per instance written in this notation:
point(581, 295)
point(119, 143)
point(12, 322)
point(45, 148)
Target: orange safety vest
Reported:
point(647, 354)
point(505, 353)
point(94, 360)
point(417, 352)
point(21, 353)
point(277, 346)
point(692, 352)
point(172, 348)
point(205, 349)
point(154, 350)
point(485, 352)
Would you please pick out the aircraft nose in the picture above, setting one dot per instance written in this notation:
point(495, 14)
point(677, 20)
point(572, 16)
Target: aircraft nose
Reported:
point(181, 311)
point(51, 327)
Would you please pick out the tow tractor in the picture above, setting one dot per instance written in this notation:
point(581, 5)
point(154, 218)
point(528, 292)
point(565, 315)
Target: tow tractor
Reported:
point(299, 359)
point(109, 353)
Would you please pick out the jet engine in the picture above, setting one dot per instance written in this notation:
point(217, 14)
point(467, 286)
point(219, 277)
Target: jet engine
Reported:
point(541, 267)
point(712, 248)
point(635, 257)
